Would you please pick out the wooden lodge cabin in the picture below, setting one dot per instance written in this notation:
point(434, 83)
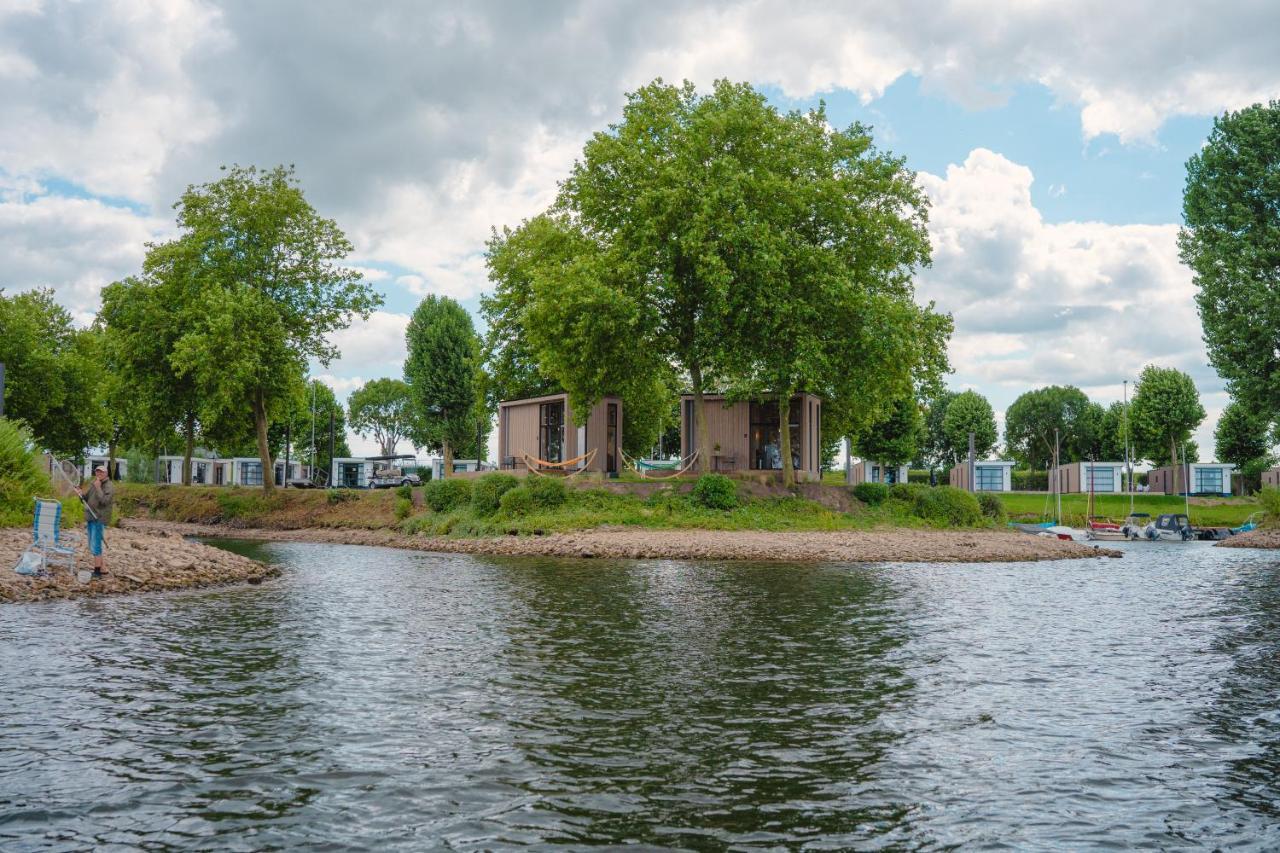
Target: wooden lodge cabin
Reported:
point(991, 475)
point(1205, 478)
point(745, 435)
point(1271, 477)
point(543, 428)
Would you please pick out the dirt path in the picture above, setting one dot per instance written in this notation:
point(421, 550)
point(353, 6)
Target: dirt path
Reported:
point(871, 546)
point(137, 560)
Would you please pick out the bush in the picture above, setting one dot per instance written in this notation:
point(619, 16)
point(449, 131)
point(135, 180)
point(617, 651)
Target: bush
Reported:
point(1269, 500)
point(923, 476)
point(907, 491)
point(947, 505)
point(547, 492)
point(487, 492)
point(715, 491)
point(1029, 481)
point(21, 475)
point(871, 494)
point(992, 507)
point(337, 496)
point(244, 504)
point(447, 494)
point(405, 491)
point(517, 501)
point(404, 508)
point(139, 467)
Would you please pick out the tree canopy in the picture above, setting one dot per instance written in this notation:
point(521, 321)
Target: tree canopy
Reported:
point(382, 408)
point(1030, 421)
point(54, 373)
point(968, 412)
point(894, 438)
point(1231, 241)
point(1243, 438)
point(442, 372)
point(1166, 410)
point(260, 272)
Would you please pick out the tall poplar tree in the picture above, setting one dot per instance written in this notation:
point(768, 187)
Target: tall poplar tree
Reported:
point(1166, 410)
point(442, 370)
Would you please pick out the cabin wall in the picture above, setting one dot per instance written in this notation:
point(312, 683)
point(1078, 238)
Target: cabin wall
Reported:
point(730, 428)
point(1271, 477)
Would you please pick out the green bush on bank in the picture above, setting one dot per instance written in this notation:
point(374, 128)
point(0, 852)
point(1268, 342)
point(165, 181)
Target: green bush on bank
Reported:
point(907, 491)
point(547, 492)
point(871, 494)
point(1269, 500)
point(950, 506)
point(21, 475)
point(992, 507)
point(715, 491)
point(404, 508)
point(447, 494)
point(517, 502)
point(486, 494)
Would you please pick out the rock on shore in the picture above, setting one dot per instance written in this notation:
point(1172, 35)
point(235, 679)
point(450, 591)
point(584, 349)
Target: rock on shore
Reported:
point(137, 561)
point(888, 545)
point(1263, 537)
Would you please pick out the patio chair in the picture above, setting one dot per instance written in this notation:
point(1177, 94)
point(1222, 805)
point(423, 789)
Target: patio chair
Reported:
point(56, 547)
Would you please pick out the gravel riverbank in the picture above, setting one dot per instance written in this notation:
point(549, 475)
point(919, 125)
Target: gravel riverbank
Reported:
point(1263, 537)
point(138, 560)
point(890, 545)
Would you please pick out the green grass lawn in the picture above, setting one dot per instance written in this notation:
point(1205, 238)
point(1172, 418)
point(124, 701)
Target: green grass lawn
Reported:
point(1206, 512)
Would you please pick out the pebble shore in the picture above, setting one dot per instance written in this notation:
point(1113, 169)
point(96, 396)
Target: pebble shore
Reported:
point(889, 545)
point(137, 561)
point(1263, 537)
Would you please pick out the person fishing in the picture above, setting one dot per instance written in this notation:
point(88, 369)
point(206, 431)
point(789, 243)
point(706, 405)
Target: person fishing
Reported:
point(98, 499)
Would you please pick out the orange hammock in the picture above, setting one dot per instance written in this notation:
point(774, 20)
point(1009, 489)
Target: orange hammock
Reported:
point(544, 468)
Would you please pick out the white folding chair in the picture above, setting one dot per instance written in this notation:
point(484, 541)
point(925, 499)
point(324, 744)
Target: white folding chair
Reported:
point(57, 547)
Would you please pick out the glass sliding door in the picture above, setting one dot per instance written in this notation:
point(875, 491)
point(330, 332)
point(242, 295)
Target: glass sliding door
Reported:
point(766, 435)
point(551, 431)
point(611, 440)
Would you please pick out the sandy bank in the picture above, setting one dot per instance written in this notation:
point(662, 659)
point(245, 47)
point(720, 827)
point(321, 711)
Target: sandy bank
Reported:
point(870, 546)
point(1263, 537)
point(137, 560)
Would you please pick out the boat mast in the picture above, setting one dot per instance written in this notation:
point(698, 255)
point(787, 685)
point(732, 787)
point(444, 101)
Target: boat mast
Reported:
point(1128, 463)
point(1057, 477)
point(1186, 481)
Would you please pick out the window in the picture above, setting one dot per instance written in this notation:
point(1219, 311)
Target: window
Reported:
point(990, 478)
point(251, 473)
point(551, 431)
point(611, 440)
point(1209, 480)
point(1103, 478)
point(766, 437)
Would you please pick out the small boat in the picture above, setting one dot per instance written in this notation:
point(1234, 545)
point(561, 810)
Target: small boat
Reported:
point(1059, 531)
point(1135, 525)
point(1104, 529)
point(1171, 527)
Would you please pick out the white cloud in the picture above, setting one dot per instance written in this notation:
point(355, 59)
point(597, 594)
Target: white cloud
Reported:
point(1081, 303)
point(372, 348)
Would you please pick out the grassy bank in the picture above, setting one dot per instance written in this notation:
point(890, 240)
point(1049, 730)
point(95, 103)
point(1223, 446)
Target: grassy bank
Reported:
point(1206, 512)
point(484, 508)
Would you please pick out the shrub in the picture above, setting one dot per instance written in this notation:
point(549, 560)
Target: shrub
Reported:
point(244, 504)
point(405, 491)
point(547, 492)
point(907, 491)
point(923, 476)
point(871, 494)
point(404, 508)
point(992, 507)
point(1029, 481)
point(946, 505)
point(1269, 500)
point(447, 494)
point(517, 501)
point(21, 475)
point(487, 492)
point(139, 467)
point(715, 491)
point(337, 496)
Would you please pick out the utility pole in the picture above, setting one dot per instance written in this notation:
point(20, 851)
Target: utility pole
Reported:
point(1057, 476)
point(973, 466)
point(285, 484)
point(331, 429)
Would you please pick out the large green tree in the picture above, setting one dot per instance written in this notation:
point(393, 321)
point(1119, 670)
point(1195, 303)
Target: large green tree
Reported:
point(443, 374)
point(968, 412)
point(382, 408)
point(1166, 410)
point(894, 438)
point(55, 373)
point(1231, 241)
point(935, 450)
point(262, 272)
point(1030, 421)
point(1243, 438)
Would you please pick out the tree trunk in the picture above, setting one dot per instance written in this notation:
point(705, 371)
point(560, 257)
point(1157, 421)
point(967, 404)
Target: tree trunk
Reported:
point(1173, 460)
point(784, 440)
point(189, 432)
point(111, 457)
point(703, 438)
point(848, 461)
point(446, 466)
point(264, 451)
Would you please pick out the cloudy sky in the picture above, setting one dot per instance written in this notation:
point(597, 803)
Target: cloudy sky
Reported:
point(1051, 137)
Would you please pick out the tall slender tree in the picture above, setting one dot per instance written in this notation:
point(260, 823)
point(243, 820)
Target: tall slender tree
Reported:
point(969, 412)
point(442, 371)
point(1166, 410)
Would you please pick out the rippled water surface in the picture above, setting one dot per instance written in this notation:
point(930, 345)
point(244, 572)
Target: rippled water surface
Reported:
point(382, 699)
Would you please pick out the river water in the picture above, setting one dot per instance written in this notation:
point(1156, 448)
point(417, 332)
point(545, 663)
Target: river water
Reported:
point(381, 699)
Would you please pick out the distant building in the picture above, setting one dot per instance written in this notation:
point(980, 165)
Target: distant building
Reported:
point(1196, 478)
point(870, 471)
point(544, 428)
point(992, 475)
point(745, 436)
point(1098, 477)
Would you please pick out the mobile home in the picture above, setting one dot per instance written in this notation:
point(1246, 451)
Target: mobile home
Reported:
point(745, 435)
point(870, 471)
point(990, 475)
point(118, 471)
point(1098, 477)
point(544, 428)
point(347, 472)
point(1271, 477)
point(1196, 478)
